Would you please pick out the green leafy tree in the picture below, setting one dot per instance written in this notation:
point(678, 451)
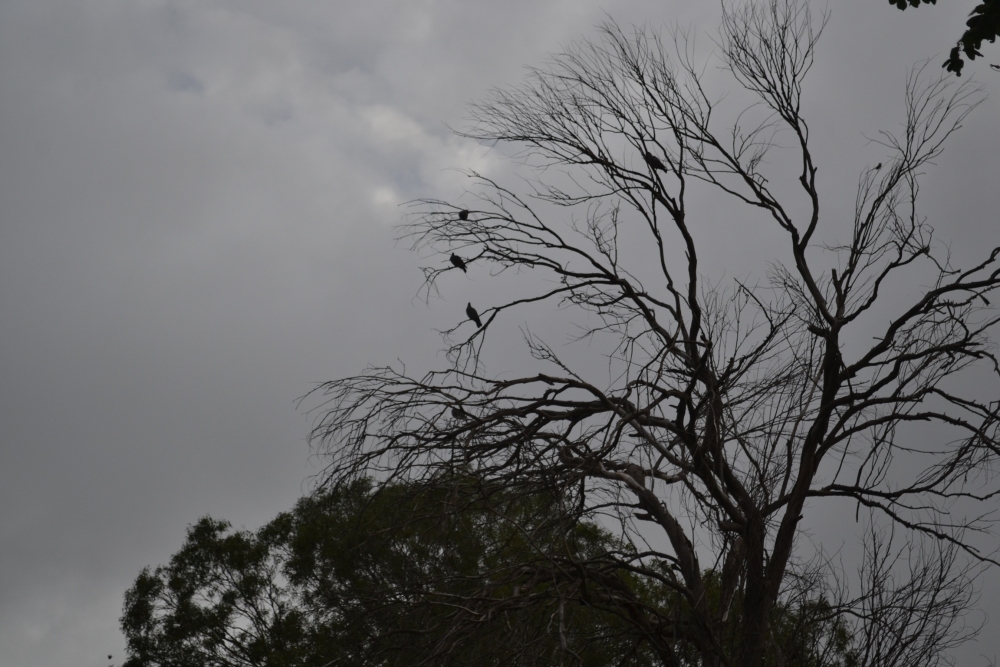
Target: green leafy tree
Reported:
point(726, 410)
point(221, 601)
point(354, 577)
point(983, 26)
point(351, 577)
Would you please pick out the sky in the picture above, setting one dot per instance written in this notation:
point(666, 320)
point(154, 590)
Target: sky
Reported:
point(197, 211)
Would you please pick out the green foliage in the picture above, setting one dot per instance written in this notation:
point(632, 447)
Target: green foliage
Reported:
point(355, 577)
point(221, 601)
point(352, 577)
point(983, 26)
point(806, 630)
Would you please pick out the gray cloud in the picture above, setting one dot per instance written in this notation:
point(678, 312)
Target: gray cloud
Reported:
point(196, 210)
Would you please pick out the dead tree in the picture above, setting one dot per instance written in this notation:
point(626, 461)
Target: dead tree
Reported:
point(731, 410)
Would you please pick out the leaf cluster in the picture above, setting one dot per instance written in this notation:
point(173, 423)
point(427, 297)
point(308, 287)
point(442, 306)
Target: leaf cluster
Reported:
point(982, 26)
point(351, 576)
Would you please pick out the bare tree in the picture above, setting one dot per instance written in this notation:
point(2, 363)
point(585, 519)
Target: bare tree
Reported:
point(728, 408)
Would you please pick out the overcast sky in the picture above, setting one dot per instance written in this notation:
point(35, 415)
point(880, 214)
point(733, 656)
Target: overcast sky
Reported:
point(197, 200)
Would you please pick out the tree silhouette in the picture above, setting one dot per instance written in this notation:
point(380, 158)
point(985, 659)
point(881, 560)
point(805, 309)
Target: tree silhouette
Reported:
point(354, 577)
point(982, 26)
point(351, 577)
point(726, 412)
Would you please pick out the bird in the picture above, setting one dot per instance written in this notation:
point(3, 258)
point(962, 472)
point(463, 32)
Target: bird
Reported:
point(457, 261)
point(473, 315)
point(463, 214)
point(637, 473)
point(654, 161)
point(878, 166)
point(458, 413)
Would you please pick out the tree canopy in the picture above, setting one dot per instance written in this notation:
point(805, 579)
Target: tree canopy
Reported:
point(726, 410)
point(647, 510)
point(983, 26)
point(354, 577)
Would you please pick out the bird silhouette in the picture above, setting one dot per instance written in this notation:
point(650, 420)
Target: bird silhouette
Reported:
point(637, 473)
point(457, 261)
point(463, 214)
point(878, 166)
point(458, 413)
point(654, 161)
point(473, 315)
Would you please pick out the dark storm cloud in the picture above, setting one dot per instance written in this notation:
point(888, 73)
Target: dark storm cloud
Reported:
point(196, 202)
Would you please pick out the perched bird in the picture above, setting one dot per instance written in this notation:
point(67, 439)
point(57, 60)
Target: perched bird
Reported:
point(457, 261)
point(473, 315)
point(654, 162)
point(463, 214)
point(637, 473)
point(458, 413)
point(878, 166)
